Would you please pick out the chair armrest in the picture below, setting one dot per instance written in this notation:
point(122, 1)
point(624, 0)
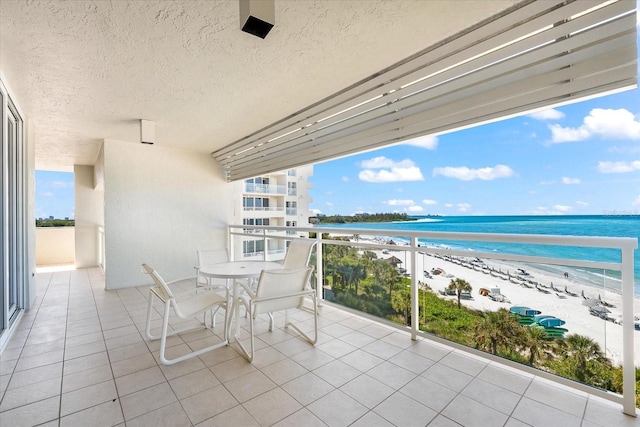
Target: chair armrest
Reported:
point(247, 288)
point(283, 296)
point(182, 293)
point(181, 279)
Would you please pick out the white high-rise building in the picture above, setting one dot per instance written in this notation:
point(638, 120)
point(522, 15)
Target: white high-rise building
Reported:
point(276, 199)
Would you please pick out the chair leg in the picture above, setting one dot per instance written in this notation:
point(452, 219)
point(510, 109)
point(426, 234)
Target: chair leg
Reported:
point(163, 337)
point(163, 342)
point(148, 323)
point(315, 323)
point(247, 354)
point(271, 322)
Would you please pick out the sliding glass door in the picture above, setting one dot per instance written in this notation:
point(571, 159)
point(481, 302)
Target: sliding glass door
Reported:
point(12, 214)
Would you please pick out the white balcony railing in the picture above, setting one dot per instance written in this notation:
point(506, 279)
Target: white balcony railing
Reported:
point(263, 209)
point(265, 188)
point(415, 256)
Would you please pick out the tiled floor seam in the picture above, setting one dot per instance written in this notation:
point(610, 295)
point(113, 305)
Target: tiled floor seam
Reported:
point(113, 378)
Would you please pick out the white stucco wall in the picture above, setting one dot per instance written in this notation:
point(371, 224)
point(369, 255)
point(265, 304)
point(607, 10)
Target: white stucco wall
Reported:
point(55, 245)
point(161, 205)
point(88, 215)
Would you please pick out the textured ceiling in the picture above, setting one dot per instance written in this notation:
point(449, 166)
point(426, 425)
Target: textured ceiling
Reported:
point(82, 71)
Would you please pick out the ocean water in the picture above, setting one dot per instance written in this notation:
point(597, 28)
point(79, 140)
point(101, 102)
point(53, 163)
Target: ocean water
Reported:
point(577, 225)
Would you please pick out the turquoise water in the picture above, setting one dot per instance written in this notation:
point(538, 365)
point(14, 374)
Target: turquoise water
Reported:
point(591, 225)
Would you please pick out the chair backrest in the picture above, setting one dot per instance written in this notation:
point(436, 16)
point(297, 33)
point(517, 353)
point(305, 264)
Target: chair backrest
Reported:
point(299, 253)
point(212, 256)
point(281, 289)
point(160, 289)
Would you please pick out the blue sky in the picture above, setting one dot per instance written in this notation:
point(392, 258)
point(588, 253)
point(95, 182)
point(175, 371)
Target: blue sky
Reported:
point(578, 159)
point(54, 194)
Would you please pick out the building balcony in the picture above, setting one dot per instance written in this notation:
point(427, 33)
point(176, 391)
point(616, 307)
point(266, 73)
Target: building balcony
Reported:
point(263, 209)
point(80, 356)
point(271, 189)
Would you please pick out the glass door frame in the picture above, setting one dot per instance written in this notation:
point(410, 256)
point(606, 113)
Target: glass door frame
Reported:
point(13, 222)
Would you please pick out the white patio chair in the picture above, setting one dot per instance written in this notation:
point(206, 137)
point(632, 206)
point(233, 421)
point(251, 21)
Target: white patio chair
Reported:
point(210, 257)
point(185, 308)
point(298, 256)
point(299, 253)
point(279, 290)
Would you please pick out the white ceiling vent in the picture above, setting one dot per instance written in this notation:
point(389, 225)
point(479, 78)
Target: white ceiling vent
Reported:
point(536, 54)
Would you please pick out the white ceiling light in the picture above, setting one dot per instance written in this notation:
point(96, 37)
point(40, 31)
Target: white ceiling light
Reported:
point(257, 17)
point(147, 131)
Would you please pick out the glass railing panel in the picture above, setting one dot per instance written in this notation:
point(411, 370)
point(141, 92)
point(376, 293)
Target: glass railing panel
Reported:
point(368, 280)
point(561, 316)
point(551, 317)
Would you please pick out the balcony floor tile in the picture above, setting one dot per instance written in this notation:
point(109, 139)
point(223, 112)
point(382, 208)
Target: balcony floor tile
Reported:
point(82, 353)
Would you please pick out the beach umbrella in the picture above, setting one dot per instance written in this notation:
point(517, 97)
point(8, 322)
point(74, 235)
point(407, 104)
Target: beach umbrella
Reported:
point(590, 302)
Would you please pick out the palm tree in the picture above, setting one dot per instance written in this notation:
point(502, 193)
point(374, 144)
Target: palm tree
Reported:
point(534, 340)
point(401, 302)
point(459, 285)
point(496, 329)
point(579, 350)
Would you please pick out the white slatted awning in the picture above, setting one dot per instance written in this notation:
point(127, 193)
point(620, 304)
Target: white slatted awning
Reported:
point(535, 55)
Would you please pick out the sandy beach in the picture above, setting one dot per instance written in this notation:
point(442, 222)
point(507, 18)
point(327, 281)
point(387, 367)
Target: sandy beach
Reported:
point(571, 309)
point(550, 301)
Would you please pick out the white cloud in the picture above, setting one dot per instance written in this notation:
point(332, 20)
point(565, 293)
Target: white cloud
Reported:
point(316, 211)
point(393, 175)
point(59, 184)
point(47, 194)
point(562, 208)
point(463, 207)
point(397, 202)
point(569, 181)
point(578, 202)
point(391, 171)
point(427, 142)
point(618, 167)
point(465, 174)
point(551, 114)
point(384, 162)
point(448, 205)
point(429, 202)
point(603, 123)
point(329, 203)
point(415, 209)
point(554, 210)
point(636, 202)
point(345, 179)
